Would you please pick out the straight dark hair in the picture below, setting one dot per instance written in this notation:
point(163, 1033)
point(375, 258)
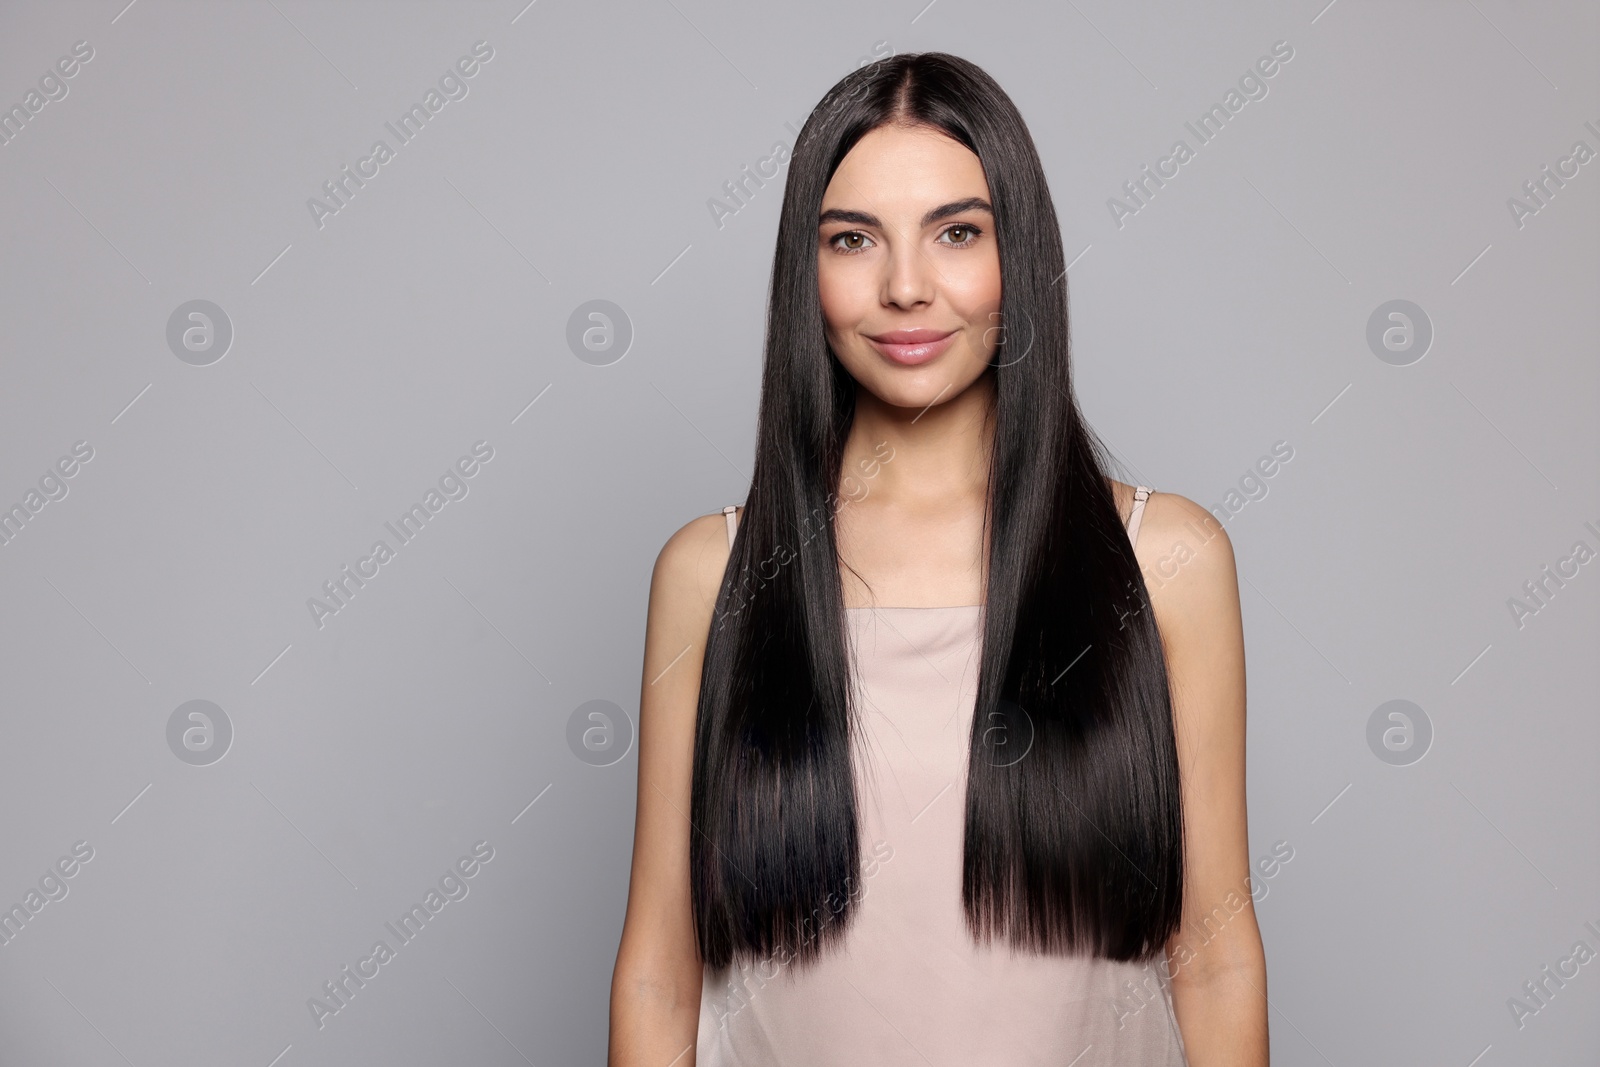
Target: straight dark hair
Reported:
point(1076, 846)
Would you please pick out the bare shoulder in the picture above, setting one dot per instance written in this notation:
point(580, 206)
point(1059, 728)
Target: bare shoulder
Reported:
point(683, 598)
point(1187, 562)
point(688, 570)
point(1188, 565)
point(1185, 554)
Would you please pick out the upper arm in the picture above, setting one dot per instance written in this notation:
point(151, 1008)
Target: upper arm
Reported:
point(1189, 568)
point(658, 948)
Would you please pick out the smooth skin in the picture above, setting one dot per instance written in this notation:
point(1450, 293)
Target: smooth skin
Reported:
point(906, 242)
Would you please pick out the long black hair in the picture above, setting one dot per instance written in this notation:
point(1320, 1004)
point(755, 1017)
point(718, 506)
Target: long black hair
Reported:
point(1077, 845)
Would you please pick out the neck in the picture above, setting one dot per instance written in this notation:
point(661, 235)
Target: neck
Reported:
point(940, 453)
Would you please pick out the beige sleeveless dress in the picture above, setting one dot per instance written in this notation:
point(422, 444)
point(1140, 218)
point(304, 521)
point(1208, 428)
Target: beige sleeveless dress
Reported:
point(909, 985)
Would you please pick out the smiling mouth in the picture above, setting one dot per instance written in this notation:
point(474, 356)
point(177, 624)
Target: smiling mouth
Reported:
point(909, 348)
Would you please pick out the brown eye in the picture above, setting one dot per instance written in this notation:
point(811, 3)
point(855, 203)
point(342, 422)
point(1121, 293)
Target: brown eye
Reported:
point(961, 235)
point(852, 241)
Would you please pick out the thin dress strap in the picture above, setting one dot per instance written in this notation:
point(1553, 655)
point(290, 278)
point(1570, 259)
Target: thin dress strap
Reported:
point(1140, 495)
point(731, 513)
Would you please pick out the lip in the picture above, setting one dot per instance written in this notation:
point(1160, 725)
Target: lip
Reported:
point(909, 348)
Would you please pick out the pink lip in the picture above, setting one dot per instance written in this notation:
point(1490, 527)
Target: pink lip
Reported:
point(912, 347)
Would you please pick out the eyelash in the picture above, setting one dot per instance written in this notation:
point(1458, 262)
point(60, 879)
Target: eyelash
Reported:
point(975, 231)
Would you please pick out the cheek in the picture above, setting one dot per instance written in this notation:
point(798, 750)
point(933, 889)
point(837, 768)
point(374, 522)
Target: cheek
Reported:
point(839, 294)
point(974, 288)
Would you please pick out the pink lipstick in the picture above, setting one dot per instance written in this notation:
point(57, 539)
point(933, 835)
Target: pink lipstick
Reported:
point(909, 348)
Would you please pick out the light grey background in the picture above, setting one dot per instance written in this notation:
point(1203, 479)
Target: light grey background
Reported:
point(1228, 314)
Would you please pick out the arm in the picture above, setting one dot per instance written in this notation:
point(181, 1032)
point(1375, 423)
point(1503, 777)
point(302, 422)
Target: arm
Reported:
point(1219, 983)
point(655, 987)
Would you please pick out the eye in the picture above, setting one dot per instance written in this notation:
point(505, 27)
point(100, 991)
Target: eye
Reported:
point(850, 242)
point(964, 234)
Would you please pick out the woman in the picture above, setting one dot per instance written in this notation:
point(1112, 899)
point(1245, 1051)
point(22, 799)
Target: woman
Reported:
point(927, 772)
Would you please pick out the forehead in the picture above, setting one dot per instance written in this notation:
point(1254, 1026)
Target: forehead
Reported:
point(904, 170)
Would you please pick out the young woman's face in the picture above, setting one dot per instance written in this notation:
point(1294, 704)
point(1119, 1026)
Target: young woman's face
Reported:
point(907, 266)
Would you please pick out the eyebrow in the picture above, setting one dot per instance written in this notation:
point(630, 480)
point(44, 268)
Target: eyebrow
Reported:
point(943, 211)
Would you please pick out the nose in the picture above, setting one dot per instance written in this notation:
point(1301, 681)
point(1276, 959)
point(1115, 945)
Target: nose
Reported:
point(910, 280)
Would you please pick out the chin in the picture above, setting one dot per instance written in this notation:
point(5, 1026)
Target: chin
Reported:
point(918, 394)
